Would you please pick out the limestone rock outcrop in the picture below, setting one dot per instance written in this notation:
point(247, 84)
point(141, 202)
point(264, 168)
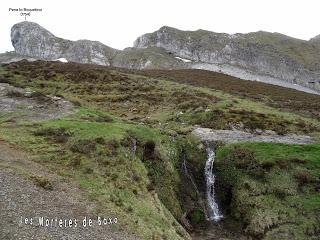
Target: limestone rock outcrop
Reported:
point(260, 56)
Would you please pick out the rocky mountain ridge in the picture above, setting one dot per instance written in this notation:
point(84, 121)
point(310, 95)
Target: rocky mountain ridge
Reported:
point(30, 39)
point(254, 56)
point(261, 56)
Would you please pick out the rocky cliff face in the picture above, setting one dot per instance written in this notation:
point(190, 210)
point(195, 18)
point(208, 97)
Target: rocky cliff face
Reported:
point(261, 56)
point(30, 39)
point(267, 54)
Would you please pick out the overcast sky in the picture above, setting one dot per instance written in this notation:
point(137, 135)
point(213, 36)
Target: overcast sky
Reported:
point(117, 23)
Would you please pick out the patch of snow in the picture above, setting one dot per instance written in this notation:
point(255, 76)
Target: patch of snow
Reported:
point(183, 59)
point(61, 60)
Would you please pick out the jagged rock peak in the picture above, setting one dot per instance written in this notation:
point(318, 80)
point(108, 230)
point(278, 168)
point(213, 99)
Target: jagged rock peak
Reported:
point(30, 39)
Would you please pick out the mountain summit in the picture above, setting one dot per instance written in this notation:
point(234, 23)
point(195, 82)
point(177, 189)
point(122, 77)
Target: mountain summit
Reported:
point(30, 39)
point(261, 56)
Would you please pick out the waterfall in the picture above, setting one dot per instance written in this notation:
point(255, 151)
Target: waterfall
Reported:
point(213, 208)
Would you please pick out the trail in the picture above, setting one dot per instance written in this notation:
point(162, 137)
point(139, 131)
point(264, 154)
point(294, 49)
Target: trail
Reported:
point(21, 197)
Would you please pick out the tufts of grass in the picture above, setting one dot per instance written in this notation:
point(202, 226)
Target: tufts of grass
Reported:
point(58, 135)
point(96, 155)
point(170, 105)
point(42, 182)
point(272, 188)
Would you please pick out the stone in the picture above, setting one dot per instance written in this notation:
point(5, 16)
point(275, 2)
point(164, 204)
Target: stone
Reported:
point(30, 39)
point(263, 56)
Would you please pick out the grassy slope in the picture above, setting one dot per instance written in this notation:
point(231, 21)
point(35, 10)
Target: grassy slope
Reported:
point(302, 51)
point(163, 109)
point(278, 97)
point(97, 154)
point(157, 101)
point(274, 188)
point(137, 58)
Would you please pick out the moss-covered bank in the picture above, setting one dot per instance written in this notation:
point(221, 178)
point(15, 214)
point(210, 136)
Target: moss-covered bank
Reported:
point(272, 189)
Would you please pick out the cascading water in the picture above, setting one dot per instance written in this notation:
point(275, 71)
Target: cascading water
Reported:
point(213, 208)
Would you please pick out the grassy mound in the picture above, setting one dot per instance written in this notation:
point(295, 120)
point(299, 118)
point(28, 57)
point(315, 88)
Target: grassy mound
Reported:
point(273, 189)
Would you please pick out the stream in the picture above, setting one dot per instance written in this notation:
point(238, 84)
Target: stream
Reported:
point(213, 208)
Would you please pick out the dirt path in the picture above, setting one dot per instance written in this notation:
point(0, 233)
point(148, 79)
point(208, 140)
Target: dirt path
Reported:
point(21, 197)
point(24, 104)
point(232, 136)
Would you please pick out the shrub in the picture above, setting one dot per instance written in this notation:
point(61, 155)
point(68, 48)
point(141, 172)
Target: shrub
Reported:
point(267, 165)
point(14, 93)
point(283, 163)
point(196, 216)
point(40, 97)
point(113, 146)
point(75, 162)
point(4, 80)
point(42, 182)
point(244, 158)
point(298, 160)
point(151, 186)
point(94, 118)
point(75, 102)
point(303, 177)
point(85, 146)
point(57, 135)
point(148, 150)
point(100, 140)
point(87, 170)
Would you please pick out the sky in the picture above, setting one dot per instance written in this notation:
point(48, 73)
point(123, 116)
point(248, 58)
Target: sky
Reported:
point(117, 23)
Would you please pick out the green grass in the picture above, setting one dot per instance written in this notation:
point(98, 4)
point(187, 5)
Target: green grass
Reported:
point(156, 102)
point(271, 184)
point(272, 188)
point(272, 152)
point(115, 178)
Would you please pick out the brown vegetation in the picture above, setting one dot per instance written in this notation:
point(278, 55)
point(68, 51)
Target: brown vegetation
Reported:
point(273, 95)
